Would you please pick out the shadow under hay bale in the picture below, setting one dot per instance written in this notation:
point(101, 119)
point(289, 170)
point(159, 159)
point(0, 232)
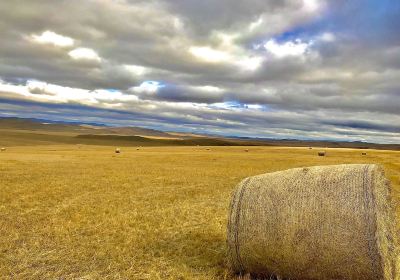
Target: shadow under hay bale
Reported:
point(323, 222)
point(322, 154)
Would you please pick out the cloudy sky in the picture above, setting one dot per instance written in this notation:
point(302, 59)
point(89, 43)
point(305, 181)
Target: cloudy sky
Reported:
point(305, 69)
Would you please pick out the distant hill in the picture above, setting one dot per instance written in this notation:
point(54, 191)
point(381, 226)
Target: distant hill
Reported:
point(44, 125)
point(18, 131)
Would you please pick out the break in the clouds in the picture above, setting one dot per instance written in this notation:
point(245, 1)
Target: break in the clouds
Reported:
point(308, 69)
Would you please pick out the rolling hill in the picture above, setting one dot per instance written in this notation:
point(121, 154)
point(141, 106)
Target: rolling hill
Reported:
point(18, 131)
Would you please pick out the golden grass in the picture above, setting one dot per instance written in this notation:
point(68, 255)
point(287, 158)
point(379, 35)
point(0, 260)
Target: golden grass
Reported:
point(157, 213)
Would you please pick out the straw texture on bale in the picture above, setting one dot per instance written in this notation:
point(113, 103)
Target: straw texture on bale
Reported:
point(323, 222)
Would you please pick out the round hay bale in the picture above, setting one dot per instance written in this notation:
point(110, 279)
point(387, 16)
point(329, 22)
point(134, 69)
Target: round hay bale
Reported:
point(321, 153)
point(323, 222)
point(364, 153)
point(117, 150)
point(310, 148)
point(137, 149)
point(208, 149)
point(247, 150)
point(3, 149)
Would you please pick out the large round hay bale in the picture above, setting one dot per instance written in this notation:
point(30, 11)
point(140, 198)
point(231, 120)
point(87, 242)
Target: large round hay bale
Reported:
point(117, 150)
point(321, 153)
point(3, 149)
point(323, 222)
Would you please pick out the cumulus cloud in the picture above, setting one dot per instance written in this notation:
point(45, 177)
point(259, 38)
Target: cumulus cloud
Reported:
point(41, 91)
point(136, 69)
point(209, 55)
point(295, 48)
point(273, 68)
point(84, 54)
point(52, 38)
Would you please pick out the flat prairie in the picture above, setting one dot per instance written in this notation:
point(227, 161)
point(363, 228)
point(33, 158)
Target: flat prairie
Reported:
point(84, 212)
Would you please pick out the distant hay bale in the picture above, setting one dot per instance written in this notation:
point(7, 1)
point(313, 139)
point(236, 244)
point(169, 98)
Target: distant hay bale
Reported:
point(310, 148)
point(247, 150)
point(364, 153)
point(3, 149)
point(208, 149)
point(321, 153)
point(322, 222)
point(137, 149)
point(117, 150)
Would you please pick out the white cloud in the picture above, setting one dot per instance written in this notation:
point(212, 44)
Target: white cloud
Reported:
point(327, 37)
point(250, 63)
point(290, 48)
point(311, 5)
point(38, 87)
point(136, 70)
point(208, 54)
point(208, 88)
point(255, 106)
point(84, 54)
point(256, 24)
point(42, 91)
point(147, 87)
point(52, 38)
point(231, 54)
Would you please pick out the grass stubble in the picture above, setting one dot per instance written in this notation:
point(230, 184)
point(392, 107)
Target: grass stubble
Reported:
point(69, 212)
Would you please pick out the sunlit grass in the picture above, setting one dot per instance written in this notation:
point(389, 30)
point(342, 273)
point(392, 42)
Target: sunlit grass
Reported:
point(158, 213)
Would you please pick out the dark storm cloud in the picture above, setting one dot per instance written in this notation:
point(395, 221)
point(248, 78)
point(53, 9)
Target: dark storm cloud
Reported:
point(324, 69)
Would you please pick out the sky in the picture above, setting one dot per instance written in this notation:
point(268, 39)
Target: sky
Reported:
point(298, 69)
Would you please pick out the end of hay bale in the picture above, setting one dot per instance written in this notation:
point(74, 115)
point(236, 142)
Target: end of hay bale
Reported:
point(277, 224)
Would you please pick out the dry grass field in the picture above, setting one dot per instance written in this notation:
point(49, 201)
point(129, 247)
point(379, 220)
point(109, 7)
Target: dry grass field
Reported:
point(84, 212)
